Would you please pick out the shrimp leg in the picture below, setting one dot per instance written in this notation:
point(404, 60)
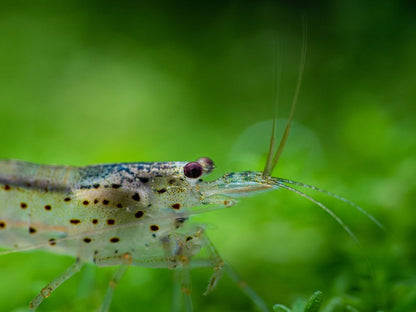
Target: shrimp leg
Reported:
point(216, 260)
point(220, 266)
point(126, 260)
point(175, 249)
point(246, 289)
point(46, 291)
point(184, 274)
point(177, 292)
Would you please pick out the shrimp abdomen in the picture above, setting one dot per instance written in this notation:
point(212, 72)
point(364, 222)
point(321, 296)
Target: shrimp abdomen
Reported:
point(31, 201)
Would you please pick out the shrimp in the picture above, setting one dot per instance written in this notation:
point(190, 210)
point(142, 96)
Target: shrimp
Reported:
point(132, 214)
point(124, 214)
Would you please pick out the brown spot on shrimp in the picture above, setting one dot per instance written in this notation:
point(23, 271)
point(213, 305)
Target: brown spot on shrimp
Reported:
point(154, 227)
point(176, 206)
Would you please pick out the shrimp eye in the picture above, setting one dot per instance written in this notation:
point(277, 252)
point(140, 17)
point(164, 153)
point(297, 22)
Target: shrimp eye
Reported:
point(193, 170)
point(206, 163)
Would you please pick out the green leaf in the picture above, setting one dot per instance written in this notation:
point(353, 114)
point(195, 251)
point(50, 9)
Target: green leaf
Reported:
point(280, 308)
point(314, 302)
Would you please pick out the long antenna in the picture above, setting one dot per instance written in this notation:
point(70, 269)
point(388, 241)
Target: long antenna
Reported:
point(325, 208)
point(269, 167)
point(276, 83)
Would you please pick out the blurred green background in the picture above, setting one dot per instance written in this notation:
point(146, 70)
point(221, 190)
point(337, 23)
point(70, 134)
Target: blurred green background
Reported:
point(85, 82)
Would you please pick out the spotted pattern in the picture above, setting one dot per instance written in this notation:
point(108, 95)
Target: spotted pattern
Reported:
point(136, 197)
point(135, 201)
point(176, 206)
point(154, 227)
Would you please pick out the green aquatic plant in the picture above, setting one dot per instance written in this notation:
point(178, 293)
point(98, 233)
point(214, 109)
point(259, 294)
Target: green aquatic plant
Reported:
point(312, 305)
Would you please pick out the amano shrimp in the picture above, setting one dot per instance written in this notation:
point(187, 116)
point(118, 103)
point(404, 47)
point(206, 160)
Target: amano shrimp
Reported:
point(130, 214)
point(122, 214)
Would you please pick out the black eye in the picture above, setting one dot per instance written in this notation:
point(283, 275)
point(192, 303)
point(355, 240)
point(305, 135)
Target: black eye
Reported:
point(206, 163)
point(193, 170)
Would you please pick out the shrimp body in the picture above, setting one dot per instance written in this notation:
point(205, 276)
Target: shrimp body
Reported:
point(116, 214)
point(96, 212)
point(126, 214)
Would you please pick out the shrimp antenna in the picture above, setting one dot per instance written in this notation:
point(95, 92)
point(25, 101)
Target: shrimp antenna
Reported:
point(273, 160)
point(325, 208)
point(276, 83)
point(343, 199)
